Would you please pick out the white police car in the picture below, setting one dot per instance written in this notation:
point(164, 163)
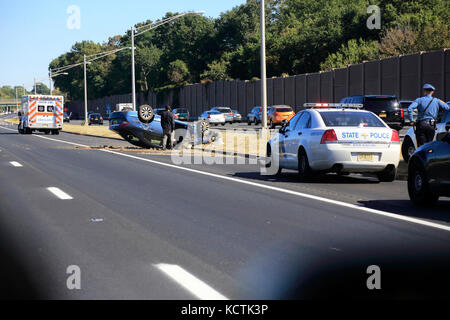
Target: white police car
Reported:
point(409, 145)
point(338, 138)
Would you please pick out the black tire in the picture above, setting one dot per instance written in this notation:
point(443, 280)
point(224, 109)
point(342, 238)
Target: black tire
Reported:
point(255, 122)
point(408, 149)
point(146, 114)
point(47, 132)
point(419, 188)
point(20, 130)
point(249, 122)
point(387, 175)
point(269, 162)
point(271, 125)
point(223, 124)
point(304, 170)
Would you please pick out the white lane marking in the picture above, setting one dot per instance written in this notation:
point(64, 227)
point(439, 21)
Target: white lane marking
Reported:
point(59, 193)
point(16, 164)
point(286, 191)
point(194, 285)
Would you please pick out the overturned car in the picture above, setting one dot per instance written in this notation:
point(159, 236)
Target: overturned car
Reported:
point(143, 129)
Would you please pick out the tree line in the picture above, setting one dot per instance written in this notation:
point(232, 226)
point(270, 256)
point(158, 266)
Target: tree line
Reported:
point(302, 36)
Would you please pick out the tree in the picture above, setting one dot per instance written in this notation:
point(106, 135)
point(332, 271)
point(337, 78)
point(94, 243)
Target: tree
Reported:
point(41, 89)
point(178, 72)
point(147, 62)
point(217, 70)
point(354, 52)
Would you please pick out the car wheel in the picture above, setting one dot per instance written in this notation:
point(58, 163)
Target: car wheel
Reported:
point(419, 188)
point(388, 175)
point(19, 129)
point(205, 126)
point(272, 126)
point(408, 149)
point(47, 132)
point(269, 161)
point(146, 113)
point(304, 170)
point(249, 122)
point(256, 122)
point(223, 124)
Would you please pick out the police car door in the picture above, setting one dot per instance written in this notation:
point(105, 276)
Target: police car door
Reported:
point(299, 137)
point(284, 138)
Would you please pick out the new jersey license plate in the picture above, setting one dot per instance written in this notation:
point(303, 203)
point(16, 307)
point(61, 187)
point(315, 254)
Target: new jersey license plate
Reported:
point(365, 156)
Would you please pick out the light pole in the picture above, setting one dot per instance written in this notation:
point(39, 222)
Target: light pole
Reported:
point(133, 70)
point(85, 94)
point(17, 102)
point(146, 29)
point(263, 66)
point(35, 86)
point(50, 79)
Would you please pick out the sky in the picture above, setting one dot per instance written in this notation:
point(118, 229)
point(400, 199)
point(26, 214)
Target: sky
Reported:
point(33, 33)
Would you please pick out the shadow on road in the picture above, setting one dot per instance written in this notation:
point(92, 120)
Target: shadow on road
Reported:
point(439, 213)
point(319, 179)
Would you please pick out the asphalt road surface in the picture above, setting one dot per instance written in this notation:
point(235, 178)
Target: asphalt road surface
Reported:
point(140, 227)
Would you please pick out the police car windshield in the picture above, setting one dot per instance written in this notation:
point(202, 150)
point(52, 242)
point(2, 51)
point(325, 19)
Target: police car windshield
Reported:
point(351, 119)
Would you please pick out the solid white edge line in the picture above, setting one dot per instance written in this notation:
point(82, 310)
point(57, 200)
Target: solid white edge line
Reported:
point(263, 186)
point(59, 193)
point(191, 283)
point(16, 164)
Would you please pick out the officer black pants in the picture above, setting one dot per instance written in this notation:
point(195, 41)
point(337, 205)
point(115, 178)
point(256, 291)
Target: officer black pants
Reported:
point(425, 133)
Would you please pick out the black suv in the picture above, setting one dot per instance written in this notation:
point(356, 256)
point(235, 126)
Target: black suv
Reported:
point(386, 107)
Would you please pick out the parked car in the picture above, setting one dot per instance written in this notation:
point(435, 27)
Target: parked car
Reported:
point(409, 145)
point(387, 107)
point(213, 117)
point(429, 171)
point(181, 114)
point(237, 117)
point(95, 118)
point(277, 114)
point(336, 139)
point(229, 117)
point(67, 117)
point(404, 104)
point(254, 116)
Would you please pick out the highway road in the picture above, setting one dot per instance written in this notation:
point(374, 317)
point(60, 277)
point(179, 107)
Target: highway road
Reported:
point(140, 227)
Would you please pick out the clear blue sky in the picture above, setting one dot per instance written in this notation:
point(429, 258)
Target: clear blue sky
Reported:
point(35, 32)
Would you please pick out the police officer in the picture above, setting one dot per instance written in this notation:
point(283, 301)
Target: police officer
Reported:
point(168, 126)
point(428, 109)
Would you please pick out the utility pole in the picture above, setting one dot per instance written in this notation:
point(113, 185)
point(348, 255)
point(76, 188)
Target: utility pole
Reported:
point(133, 70)
point(50, 82)
point(85, 94)
point(35, 86)
point(17, 101)
point(263, 66)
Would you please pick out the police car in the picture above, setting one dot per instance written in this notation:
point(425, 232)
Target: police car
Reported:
point(337, 138)
point(409, 145)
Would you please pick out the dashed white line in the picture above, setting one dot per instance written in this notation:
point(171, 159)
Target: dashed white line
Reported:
point(16, 164)
point(191, 283)
point(59, 193)
point(263, 186)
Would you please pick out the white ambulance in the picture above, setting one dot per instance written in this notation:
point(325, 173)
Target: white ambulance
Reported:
point(41, 113)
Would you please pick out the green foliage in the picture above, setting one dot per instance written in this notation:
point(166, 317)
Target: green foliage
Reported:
point(354, 52)
point(302, 36)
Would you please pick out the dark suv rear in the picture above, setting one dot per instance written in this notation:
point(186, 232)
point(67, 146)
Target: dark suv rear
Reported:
point(386, 107)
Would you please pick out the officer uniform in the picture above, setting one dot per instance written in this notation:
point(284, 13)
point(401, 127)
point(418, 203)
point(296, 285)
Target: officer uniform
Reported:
point(428, 111)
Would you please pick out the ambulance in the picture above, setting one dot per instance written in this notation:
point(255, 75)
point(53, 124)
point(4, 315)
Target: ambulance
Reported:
point(41, 113)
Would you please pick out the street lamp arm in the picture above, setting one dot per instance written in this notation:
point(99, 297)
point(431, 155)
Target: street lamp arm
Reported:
point(165, 21)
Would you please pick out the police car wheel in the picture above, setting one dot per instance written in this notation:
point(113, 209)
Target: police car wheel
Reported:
point(418, 187)
point(304, 170)
point(408, 149)
point(146, 113)
point(387, 175)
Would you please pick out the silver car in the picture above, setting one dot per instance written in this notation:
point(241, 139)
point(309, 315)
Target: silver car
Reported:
point(213, 117)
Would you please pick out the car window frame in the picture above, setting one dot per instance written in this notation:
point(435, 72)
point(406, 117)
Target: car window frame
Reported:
point(296, 118)
point(307, 124)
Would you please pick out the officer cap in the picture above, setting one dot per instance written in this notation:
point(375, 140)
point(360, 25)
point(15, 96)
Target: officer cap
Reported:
point(429, 87)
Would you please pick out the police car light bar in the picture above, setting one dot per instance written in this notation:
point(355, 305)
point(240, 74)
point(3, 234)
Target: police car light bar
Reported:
point(333, 106)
